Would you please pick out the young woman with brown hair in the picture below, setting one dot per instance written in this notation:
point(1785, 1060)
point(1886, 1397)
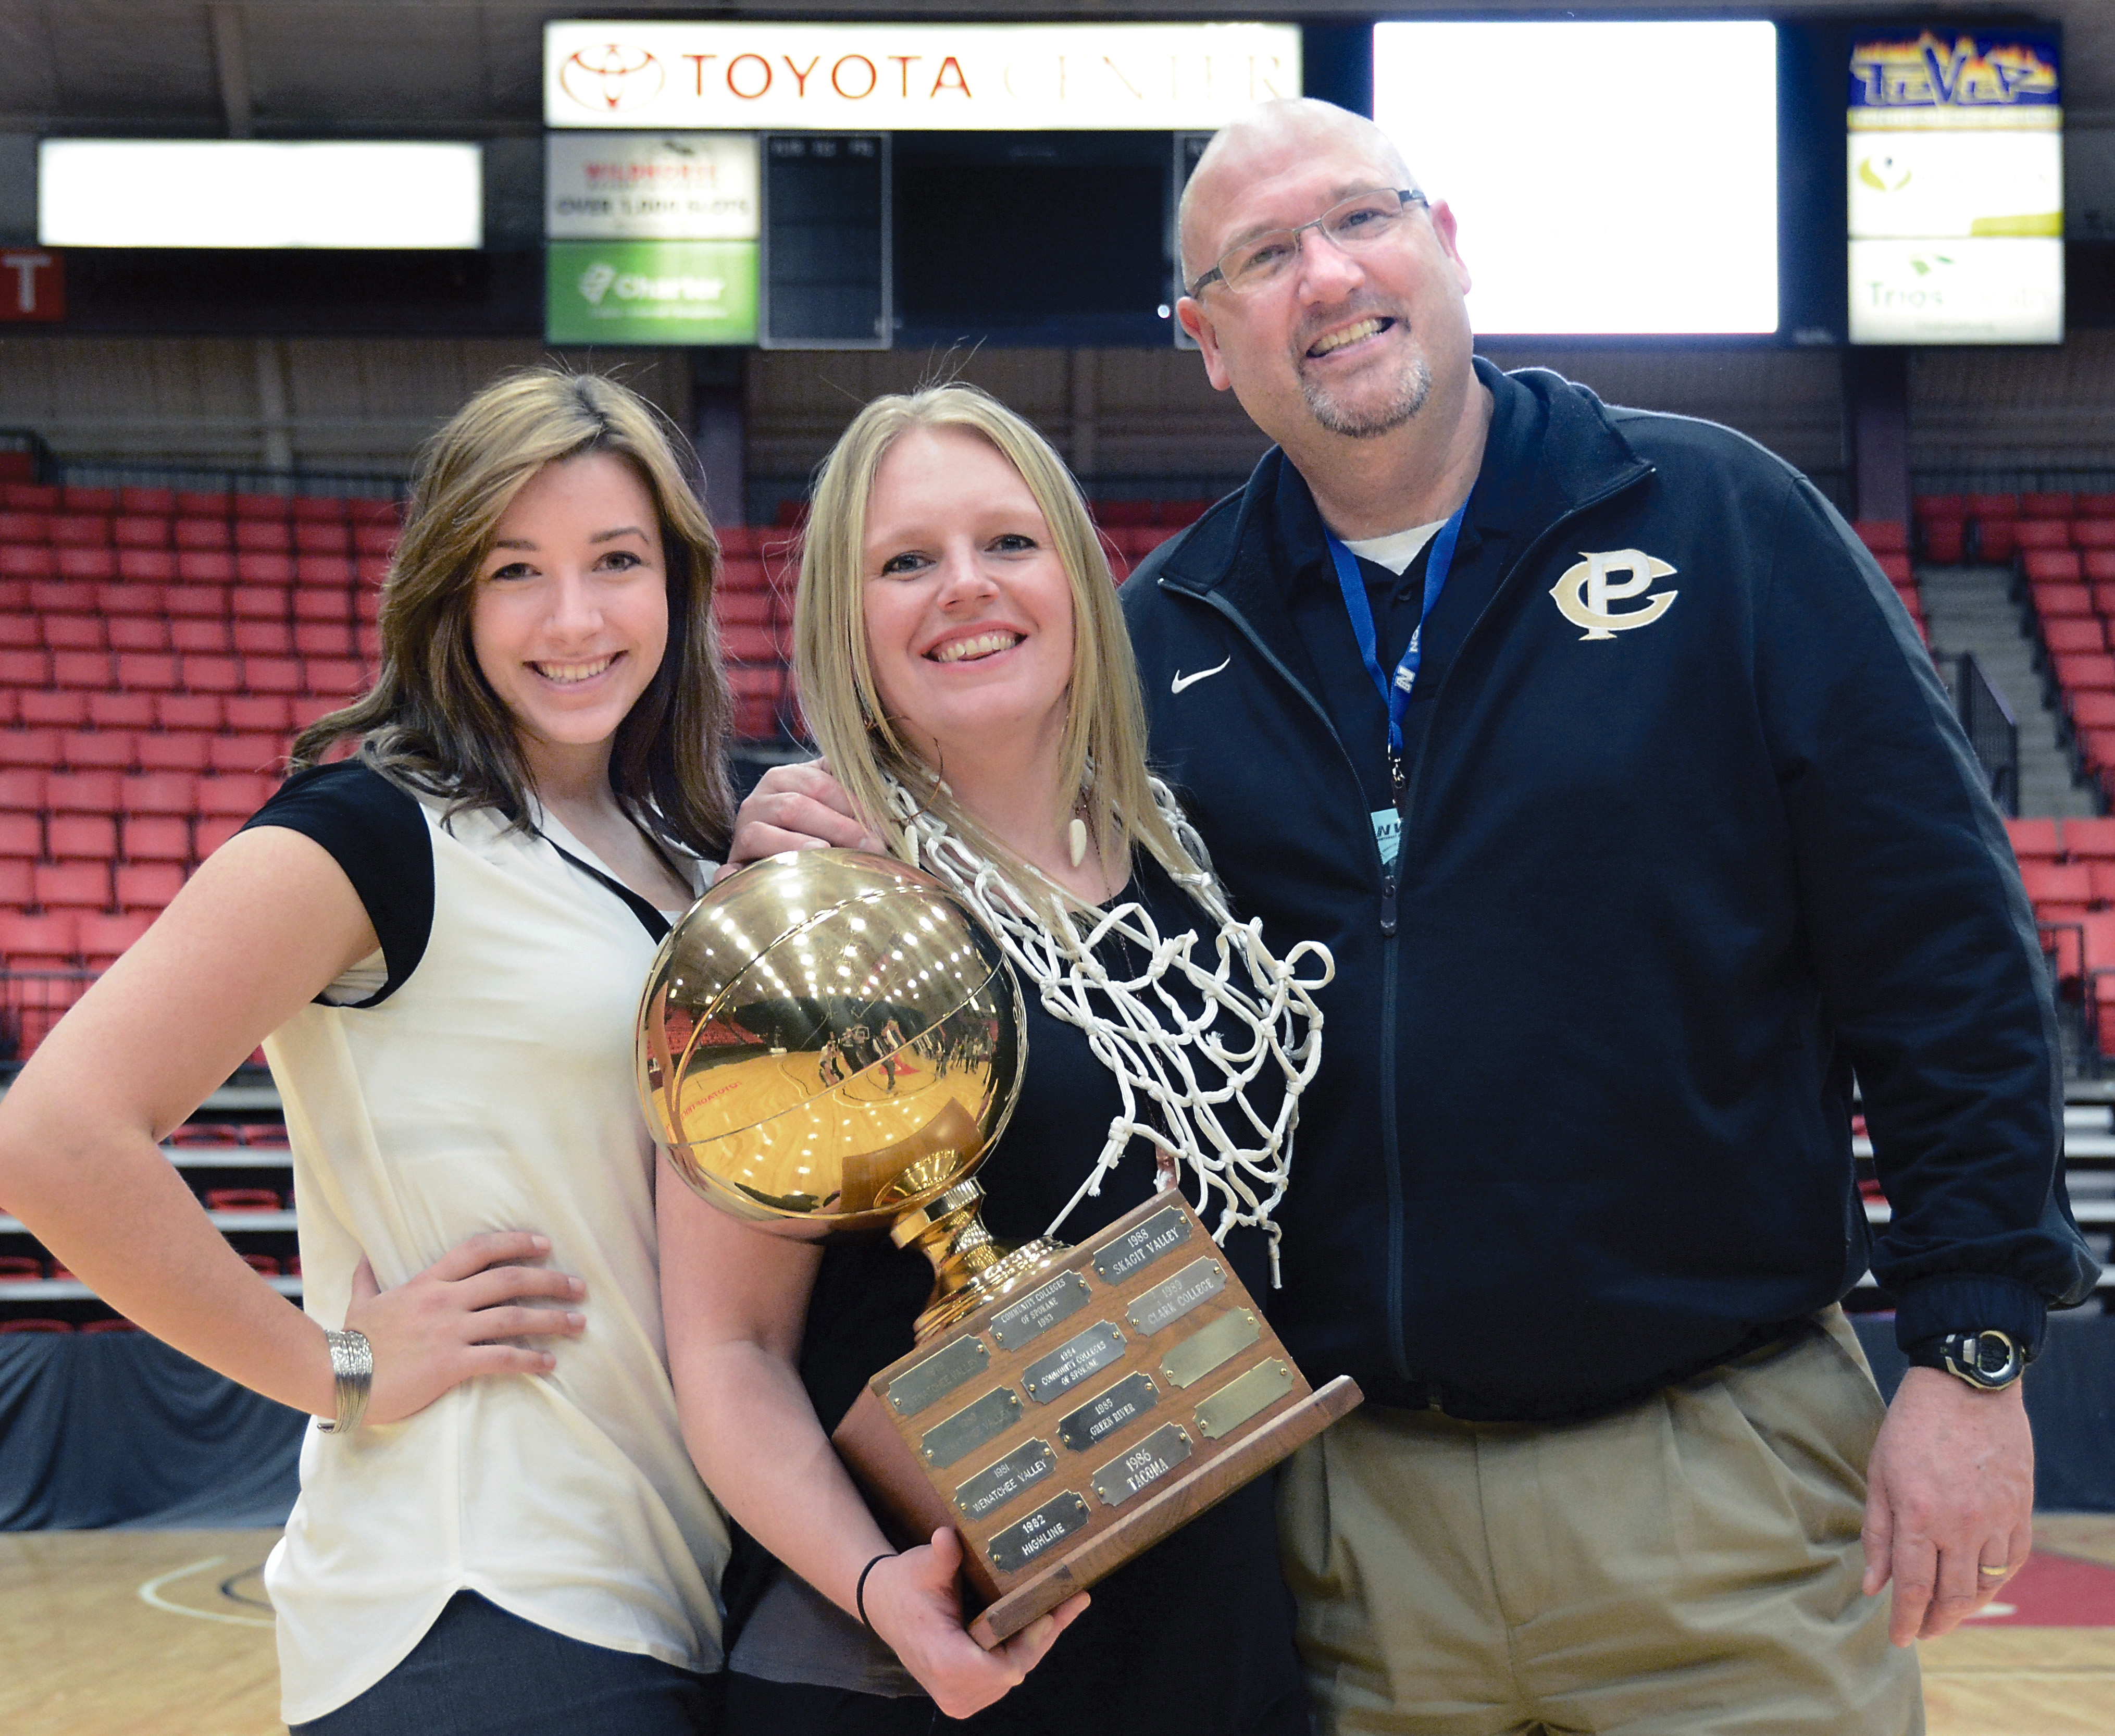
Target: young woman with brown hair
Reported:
point(440, 942)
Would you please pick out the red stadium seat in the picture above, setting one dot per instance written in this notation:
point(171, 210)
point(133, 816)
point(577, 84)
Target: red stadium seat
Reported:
point(1997, 539)
point(243, 753)
point(318, 603)
point(256, 639)
point(271, 674)
point(78, 498)
point(210, 637)
point(140, 532)
point(157, 838)
point(1882, 535)
point(323, 638)
point(369, 510)
point(1946, 541)
point(81, 835)
point(26, 527)
point(80, 669)
point(1896, 566)
point(131, 597)
point(147, 885)
point(2052, 567)
point(122, 710)
point(215, 505)
point(14, 881)
point(331, 537)
point(206, 567)
point(325, 509)
point(324, 570)
point(80, 530)
point(2057, 883)
point(157, 793)
point(21, 788)
point(267, 507)
point(202, 533)
point(28, 561)
point(2075, 633)
point(2044, 533)
point(71, 632)
point(199, 602)
point(2078, 672)
point(2093, 710)
point(211, 675)
point(155, 566)
point(53, 935)
point(2089, 838)
point(29, 497)
point(378, 539)
point(22, 834)
point(274, 536)
point(258, 712)
point(161, 501)
point(82, 793)
point(2099, 564)
point(99, 750)
point(331, 675)
point(213, 834)
point(47, 708)
point(191, 711)
point(139, 632)
point(87, 565)
point(82, 885)
point(177, 751)
point(38, 748)
point(234, 795)
point(254, 567)
point(2092, 533)
point(24, 668)
point(248, 602)
point(2045, 505)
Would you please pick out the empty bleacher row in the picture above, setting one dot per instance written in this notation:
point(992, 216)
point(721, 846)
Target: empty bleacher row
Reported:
point(2068, 868)
point(1993, 528)
point(2066, 568)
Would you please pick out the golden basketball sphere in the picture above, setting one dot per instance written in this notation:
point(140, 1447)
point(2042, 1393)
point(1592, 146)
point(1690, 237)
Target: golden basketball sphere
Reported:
point(828, 1040)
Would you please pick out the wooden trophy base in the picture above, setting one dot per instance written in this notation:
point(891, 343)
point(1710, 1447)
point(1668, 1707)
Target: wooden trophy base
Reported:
point(1064, 1428)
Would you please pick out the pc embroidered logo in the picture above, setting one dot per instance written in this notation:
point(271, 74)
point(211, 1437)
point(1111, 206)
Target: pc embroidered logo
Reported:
point(1585, 591)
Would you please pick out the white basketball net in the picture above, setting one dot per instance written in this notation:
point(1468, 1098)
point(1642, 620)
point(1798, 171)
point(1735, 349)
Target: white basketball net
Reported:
point(1183, 1079)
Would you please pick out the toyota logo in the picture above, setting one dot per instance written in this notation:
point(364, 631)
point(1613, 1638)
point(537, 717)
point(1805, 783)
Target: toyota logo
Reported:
point(612, 78)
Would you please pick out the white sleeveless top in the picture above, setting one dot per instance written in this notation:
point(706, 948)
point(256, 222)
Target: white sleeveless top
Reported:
point(491, 1090)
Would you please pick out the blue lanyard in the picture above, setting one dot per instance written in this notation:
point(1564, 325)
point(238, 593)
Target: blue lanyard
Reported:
point(1395, 695)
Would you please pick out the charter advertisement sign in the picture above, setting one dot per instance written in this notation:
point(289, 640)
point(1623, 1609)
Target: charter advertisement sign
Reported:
point(1956, 182)
point(650, 292)
point(913, 77)
point(698, 186)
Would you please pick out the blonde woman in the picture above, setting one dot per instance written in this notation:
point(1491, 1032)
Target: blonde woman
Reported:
point(440, 942)
point(964, 668)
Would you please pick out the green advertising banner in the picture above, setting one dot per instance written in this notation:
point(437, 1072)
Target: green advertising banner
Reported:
point(657, 292)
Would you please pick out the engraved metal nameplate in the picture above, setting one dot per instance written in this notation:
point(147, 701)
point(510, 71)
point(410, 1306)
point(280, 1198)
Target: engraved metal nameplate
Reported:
point(1052, 1522)
point(1210, 1347)
point(1144, 1465)
point(931, 1380)
point(1165, 1303)
point(1020, 1323)
point(970, 1427)
point(1239, 1399)
point(1072, 1362)
point(996, 1484)
point(1100, 1417)
point(1135, 1250)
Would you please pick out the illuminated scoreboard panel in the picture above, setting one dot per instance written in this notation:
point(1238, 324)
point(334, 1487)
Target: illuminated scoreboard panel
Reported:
point(1956, 184)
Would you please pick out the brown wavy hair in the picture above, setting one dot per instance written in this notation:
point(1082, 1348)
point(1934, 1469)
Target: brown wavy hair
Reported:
point(432, 721)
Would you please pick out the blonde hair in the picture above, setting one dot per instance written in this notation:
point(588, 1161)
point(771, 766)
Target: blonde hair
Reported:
point(432, 721)
point(1103, 750)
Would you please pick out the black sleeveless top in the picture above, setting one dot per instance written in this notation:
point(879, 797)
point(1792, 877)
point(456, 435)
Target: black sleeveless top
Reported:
point(1196, 1634)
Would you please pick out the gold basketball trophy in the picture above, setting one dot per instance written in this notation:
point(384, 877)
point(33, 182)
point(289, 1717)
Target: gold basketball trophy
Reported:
point(831, 1042)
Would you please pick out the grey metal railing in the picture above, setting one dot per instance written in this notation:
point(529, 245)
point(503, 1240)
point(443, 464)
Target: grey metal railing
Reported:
point(1992, 732)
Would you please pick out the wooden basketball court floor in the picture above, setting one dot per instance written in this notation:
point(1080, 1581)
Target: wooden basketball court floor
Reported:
point(168, 1633)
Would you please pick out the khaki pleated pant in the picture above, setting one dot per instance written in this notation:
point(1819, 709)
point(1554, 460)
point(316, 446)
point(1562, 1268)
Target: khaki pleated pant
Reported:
point(1688, 1565)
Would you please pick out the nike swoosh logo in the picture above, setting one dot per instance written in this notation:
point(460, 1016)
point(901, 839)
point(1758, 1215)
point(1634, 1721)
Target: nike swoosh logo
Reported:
point(1180, 681)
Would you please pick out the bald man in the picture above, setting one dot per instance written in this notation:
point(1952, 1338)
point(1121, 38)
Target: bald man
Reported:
point(1608, 766)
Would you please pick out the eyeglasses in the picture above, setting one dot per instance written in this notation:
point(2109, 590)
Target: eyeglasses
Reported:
point(1359, 221)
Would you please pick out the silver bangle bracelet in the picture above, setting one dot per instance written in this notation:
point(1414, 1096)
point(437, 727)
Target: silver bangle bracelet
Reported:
point(352, 1368)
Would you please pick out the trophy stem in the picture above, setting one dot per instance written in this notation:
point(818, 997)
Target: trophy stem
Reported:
point(970, 1267)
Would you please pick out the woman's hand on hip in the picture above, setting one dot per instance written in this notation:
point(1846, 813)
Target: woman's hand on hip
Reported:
point(913, 1604)
point(461, 1317)
point(796, 807)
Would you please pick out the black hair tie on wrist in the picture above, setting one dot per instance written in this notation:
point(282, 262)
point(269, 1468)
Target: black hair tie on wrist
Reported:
point(859, 1593)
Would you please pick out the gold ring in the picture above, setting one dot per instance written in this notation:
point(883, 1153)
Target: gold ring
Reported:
point(1992, 1573)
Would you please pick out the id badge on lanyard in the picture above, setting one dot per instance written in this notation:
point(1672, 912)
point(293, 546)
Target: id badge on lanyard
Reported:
point(1394, 694)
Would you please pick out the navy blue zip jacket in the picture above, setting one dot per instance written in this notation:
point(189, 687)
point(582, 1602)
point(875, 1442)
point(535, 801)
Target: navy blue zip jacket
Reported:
point(1582, 1126)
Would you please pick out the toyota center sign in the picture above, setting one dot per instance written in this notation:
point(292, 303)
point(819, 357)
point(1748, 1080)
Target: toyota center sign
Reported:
point(913, 77)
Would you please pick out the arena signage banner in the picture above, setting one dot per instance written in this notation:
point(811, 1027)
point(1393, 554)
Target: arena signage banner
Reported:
point(699, 186)
point(913, 77)
point(650, 292)
point(1955, 180)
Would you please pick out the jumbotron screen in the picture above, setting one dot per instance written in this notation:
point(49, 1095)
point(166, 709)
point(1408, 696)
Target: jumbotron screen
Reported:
point(1617, 178)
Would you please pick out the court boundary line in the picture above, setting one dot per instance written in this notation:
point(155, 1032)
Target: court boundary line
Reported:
point(150, 1593)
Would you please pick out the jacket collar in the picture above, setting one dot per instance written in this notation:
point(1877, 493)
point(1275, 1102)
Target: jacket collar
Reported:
point(1552, 448)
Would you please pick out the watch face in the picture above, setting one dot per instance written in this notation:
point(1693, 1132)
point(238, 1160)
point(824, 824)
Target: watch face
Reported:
point(1993, 1354)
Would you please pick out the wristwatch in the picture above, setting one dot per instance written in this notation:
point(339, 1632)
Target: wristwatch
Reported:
point(1990, 1360)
